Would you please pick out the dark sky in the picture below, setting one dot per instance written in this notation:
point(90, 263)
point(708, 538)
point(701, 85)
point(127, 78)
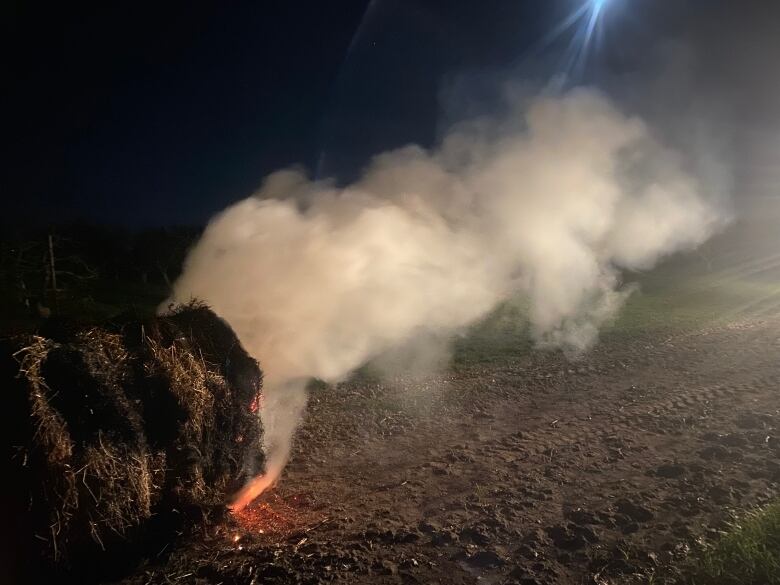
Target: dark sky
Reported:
point(163, 113)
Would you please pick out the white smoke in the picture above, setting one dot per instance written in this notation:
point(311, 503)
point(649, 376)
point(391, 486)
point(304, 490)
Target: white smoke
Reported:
point(550, 202)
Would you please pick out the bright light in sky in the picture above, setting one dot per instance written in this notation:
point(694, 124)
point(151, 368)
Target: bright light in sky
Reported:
point(584, 24)
point(595, 11)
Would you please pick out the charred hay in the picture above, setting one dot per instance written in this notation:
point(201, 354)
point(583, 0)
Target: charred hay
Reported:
point(122, 425)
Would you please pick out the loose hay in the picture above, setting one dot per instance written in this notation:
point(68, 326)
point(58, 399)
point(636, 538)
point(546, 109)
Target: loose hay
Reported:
point(129, 422)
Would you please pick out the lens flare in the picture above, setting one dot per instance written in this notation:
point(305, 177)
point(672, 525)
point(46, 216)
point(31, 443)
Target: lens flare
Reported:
point(583, 26)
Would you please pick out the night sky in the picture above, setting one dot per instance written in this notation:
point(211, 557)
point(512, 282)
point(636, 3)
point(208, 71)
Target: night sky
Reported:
point(162, 114)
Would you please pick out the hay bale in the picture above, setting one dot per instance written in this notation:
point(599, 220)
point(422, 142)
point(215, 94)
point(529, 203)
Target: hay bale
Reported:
point(213, 388)
point(129, 422)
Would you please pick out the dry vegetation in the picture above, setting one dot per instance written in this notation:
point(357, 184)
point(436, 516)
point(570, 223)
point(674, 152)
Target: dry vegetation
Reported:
point(128, 423)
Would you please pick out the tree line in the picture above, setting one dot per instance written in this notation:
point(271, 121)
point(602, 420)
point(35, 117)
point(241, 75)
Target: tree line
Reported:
point(41, 268)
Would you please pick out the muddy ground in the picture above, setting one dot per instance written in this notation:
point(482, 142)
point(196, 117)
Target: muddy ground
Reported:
point(534, 470)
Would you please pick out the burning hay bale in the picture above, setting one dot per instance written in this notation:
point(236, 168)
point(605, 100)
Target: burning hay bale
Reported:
point(211, 387)
point(126, 423)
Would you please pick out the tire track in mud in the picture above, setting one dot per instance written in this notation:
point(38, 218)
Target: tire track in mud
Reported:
point(681, 411)
point(698, 408)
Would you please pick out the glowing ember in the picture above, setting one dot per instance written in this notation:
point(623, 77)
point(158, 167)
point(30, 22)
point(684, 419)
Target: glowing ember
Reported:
point(257, 403)
point(277, 517)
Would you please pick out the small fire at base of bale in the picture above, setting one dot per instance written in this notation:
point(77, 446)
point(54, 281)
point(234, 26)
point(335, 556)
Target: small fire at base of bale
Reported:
point(125, 432)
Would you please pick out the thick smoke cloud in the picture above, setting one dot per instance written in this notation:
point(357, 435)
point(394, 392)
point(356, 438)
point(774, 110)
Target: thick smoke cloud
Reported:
point(551, 202)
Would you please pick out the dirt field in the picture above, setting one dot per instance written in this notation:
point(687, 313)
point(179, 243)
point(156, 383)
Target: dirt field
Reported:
point(528, 470)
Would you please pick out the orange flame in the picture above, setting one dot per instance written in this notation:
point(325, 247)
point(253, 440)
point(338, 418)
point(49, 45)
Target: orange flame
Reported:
point(258, 485)
point(251, 491)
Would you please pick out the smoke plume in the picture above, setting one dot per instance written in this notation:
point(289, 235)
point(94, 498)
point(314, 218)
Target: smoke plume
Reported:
point(553, 201)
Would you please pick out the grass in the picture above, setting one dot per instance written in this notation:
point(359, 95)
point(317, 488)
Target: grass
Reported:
point(501, 336)
point(685, 301)
point(668, 300)
point(747, 554)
